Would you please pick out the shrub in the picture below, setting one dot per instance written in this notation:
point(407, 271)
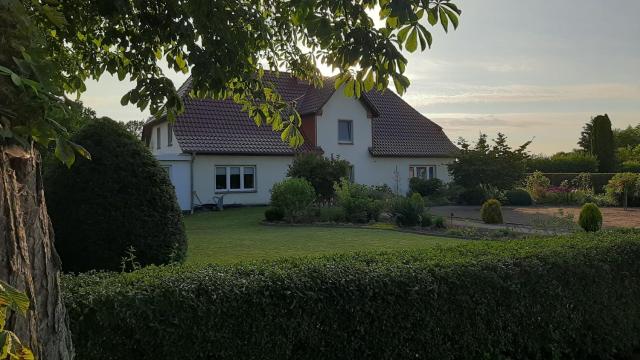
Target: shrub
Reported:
point(121, 199)
point(427, 220)
point(425, 187)
point(497, 164)
point(357, 202)
point(438, 222)
point(491, 213)
point(321, 172)
point(274, 214)
point(473, 196)
point(631, 166)
point(537, 185)
point(518, 197)
point(623, 186)
point(332, 214)
point(489, 300)
point(598, 180)
point(408, 210)
point(590, 217)
point(294, 197)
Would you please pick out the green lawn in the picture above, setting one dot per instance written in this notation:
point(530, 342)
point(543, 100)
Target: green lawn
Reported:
point(237, 235)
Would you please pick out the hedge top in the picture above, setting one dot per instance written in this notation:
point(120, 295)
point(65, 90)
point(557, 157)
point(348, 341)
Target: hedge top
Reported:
point(239, 276)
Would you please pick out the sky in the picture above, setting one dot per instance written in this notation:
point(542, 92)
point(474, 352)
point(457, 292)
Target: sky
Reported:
point(530, 69)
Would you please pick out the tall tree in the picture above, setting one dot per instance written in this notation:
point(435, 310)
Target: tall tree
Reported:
point(48, 48)
point(585, 137)
point(603, 144)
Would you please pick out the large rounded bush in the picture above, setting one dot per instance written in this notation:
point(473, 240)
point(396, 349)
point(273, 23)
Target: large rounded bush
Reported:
point(119, 202)
point(491, 212)
point(293, 196)
point(590, 217)
point(519, 197)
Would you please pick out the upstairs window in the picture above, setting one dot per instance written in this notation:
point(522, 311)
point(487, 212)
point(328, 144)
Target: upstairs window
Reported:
point(426, 172)
point(158, 137)
point(169, 134)
point(345, 131)
point(235, 178)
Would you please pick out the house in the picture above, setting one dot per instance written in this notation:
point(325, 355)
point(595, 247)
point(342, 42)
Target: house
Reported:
point(215, 149)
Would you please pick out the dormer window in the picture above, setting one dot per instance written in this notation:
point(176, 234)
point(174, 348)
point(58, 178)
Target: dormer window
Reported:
point(169, 134)
point(345, 131)
point(158, 137)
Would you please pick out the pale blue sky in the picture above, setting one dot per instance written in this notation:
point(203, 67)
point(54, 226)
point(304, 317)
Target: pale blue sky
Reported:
point(527, 68)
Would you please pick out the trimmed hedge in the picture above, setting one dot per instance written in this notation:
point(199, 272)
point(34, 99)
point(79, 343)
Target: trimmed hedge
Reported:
point(573, 296)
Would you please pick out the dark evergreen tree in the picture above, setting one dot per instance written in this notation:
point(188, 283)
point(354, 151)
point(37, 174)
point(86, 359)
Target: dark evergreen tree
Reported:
point(603, 144)
point(585, 137)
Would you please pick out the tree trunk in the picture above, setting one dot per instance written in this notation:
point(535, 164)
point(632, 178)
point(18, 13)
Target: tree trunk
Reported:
point(28, 259)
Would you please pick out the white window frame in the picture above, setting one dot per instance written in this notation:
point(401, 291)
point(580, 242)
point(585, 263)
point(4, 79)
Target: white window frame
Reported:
point(228, 178)
point(413, 171)
point(169, 134)
point(346, 142)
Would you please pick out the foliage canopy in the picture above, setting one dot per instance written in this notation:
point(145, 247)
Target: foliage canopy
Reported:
point(496, 165)
point(64, 43)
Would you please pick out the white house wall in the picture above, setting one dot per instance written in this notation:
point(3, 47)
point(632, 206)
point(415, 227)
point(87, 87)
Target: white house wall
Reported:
point(367, 169)
point(269, 170)
point(164, 147)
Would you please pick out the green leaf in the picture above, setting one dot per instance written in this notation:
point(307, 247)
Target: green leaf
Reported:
point(125, 99)
point(453, 17)
point(16, 79)
point(412, 41)
point(64, 152)
point(80, 150)
point(5, 343)
point(369, 82)
point(350, 88)
point(12, 298)
point(54, 16)
point(433, 16)
point(402, 34)
point(444, 20)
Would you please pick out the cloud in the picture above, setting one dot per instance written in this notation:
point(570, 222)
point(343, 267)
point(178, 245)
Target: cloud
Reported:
point(459, 94)
point(475, 121)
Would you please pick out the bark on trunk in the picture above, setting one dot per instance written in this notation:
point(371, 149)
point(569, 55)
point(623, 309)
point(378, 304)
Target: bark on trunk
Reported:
point(28, 259)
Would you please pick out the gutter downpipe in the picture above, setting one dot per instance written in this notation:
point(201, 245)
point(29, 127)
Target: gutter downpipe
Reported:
point(193, 158)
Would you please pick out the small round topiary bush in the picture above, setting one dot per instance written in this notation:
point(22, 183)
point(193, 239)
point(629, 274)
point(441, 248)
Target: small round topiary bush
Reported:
point(590, 217)
point(519, 197)
point(491, 212)
point(294, 196)
point(273, 214)
point(118, 204)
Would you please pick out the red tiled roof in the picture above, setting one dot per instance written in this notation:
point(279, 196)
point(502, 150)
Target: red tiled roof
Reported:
point(220, 126)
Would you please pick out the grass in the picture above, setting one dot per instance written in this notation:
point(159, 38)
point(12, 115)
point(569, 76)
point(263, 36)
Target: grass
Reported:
point(236, 235)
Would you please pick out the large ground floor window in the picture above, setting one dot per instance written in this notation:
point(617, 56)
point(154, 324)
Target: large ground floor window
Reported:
point(235, 178)
point(426, 172)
